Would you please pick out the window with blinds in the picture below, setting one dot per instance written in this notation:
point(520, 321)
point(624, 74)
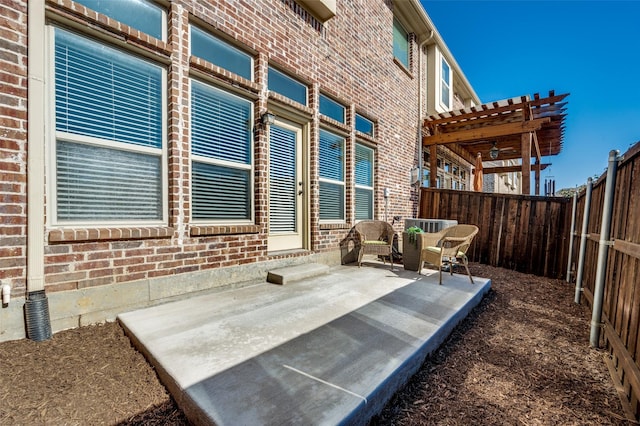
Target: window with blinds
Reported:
point(221, 155)
point(109, 133)
point(364, 182)
point(331, 176)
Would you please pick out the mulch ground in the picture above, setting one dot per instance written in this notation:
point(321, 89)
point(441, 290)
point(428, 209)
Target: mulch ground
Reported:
point(521, 358)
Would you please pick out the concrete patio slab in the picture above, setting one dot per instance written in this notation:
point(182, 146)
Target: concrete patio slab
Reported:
point(327, 350)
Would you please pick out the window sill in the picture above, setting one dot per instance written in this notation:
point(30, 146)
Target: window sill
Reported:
point(106, 234)
point(201, 231)
point(290, 105)
point(330, 226)
point(106, 25)
point(335, 123)
point(366, 137)
point(216, 72)
point(402, 67)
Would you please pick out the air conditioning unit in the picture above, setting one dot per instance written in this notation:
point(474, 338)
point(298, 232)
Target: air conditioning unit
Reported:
point(429, 225)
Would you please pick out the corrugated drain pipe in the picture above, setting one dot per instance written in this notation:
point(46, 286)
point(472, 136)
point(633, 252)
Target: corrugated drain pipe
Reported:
point(36, 308)
point(603, 250)
point(583, 240)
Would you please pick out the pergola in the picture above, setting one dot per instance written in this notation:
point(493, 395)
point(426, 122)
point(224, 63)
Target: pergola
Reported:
point(518, 128)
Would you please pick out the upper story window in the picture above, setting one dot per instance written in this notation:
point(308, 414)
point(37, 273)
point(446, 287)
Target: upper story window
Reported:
point(287, 86)
point(332, 183)
point(221, 155)
point(332, 109)
point(400, 44)
point(364, 125)
point(220, 53)
point(445, 85)
point(109, 149)
point(142, 15)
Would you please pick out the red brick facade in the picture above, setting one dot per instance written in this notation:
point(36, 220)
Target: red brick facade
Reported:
point(350, 58)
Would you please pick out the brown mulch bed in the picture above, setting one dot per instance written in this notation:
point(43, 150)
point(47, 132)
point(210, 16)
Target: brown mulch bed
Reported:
point(521, 358)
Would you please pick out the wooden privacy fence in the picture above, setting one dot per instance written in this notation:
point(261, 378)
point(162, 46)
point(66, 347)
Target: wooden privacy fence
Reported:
point(621, 301)
point(525, 233)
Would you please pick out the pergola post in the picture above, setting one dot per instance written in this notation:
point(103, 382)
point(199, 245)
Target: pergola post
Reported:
point(526, 162)
point(536, 167)
point(433, 165)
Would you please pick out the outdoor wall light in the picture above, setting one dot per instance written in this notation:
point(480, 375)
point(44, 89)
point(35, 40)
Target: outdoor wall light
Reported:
point(494, 151)
point(267, 118)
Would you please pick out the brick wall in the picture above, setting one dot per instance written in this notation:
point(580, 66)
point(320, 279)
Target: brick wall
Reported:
point(13, 140)
point(349, 57)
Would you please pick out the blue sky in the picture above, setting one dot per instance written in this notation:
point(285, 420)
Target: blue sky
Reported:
point(590, 49)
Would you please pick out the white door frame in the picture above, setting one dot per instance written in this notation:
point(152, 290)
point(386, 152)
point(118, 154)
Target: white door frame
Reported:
point(293, 238)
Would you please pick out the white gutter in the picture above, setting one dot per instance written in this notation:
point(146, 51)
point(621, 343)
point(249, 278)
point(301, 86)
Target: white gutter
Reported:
point(35, 139)
point(36, 307)
point(420, 110)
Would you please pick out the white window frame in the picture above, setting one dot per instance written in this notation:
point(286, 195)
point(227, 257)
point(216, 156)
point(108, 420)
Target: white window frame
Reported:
point(373, 180)
point(443, 83)
point(407, 66)
point(52, 135)
point(226, 163)
point(336, 182)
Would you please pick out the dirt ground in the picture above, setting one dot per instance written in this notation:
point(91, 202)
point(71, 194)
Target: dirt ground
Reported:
point(521, 358)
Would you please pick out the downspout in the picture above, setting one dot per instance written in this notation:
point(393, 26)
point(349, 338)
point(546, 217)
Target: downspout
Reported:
point(603, 249)
point(38, 324)
point(420, 112)
point(572, 234)
point(583, 239)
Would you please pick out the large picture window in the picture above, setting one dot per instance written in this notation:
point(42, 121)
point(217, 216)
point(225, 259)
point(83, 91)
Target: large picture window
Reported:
point(364, 182)
point(221, 155)
point(331, 176)
point(109, 148)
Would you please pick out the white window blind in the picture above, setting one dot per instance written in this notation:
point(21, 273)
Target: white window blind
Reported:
point(331, 176)
point(364, 182)
point(109, 131)
point(221, 154)
point(282, 180)
point(106, 184)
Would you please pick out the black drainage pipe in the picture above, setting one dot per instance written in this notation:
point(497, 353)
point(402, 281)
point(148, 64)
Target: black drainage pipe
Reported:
point(36, 311)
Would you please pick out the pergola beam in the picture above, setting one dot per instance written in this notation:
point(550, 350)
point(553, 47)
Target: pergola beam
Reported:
point(487, 132)
point(510, 169)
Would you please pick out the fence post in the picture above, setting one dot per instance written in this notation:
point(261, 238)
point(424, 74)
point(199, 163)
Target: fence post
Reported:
point(571, 234)
point(583, 239)
point(603, 250)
